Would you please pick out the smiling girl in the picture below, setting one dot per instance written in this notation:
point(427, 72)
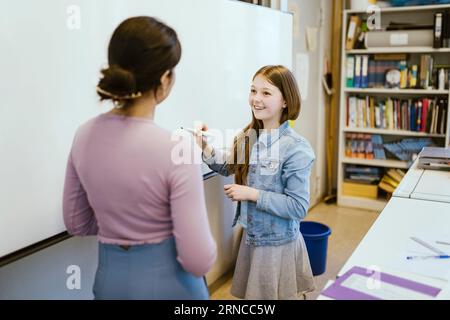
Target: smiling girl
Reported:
point(272, 166)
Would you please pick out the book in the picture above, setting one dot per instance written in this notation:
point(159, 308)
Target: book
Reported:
point(363, 190)
point(400, 172)
point(353, 26)
point(386, 187)
point(362, 170)
point(390, 181)
point(396, 174)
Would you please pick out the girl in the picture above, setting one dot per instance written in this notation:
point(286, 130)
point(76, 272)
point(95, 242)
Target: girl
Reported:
point(149, 214)
point(272, 165)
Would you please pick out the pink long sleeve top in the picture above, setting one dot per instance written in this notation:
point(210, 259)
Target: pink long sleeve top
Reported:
point(122, 185)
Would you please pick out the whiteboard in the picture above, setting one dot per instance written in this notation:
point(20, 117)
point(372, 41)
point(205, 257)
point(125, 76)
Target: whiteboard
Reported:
point(51, 55)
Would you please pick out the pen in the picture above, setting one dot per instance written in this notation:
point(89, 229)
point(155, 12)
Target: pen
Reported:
point(443, 242)
point(204, 133)
point(442, 256)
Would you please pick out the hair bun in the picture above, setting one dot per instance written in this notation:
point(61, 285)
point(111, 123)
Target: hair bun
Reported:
point(117, 82)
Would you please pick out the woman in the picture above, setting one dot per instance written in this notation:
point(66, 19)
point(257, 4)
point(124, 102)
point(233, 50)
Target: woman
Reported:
point(122, 185)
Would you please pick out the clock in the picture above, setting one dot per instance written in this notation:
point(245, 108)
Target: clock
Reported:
point(393, 78)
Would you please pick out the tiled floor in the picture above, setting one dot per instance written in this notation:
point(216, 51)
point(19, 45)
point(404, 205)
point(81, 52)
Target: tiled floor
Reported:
point(348, 228)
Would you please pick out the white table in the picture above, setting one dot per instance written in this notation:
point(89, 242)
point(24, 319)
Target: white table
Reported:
point(388, 237)
point(432, 185)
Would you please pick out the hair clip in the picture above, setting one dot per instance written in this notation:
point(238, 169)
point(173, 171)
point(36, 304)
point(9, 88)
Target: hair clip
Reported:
point(115, 97)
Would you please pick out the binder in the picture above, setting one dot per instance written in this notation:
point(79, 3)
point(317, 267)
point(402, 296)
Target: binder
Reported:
point(438, 26)
point(446, 30)
point(357, 79)
point(372, 73)
point(353, 26)
point(364, 71)
point(350, 71)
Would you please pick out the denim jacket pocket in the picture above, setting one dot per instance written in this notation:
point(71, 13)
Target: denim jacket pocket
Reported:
point(269, 167)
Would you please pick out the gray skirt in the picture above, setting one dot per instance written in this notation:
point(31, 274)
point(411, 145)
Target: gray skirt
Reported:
point(272, 272)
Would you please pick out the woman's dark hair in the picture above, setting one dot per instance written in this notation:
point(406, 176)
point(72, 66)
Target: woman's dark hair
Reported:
point(141, 49)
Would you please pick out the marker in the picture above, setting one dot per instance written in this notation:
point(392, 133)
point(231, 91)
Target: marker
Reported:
point(442, 256)
point(204, 133)
point(428, 246)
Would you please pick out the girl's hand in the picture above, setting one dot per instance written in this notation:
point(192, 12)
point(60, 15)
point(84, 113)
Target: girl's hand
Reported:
point(237, 192)
point(201, 140)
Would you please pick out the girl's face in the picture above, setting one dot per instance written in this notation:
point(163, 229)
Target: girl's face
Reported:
point(266, 100)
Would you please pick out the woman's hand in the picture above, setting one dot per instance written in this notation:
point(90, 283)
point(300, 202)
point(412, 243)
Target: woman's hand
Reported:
point(237, 192)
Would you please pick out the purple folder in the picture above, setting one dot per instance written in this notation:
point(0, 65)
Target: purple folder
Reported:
point(339, 292)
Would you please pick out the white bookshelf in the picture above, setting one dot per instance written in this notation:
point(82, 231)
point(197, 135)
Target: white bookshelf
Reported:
point(378, 204)
point(376, 162)
point(418, 92)
point(398, 50)
point(388, 132)
point(415, 9)
point(362, 203)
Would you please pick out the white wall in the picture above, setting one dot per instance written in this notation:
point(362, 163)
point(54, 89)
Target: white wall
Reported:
point(311, 123)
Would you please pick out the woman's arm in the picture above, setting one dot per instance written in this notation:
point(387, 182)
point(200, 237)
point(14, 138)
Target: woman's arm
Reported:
point(294, 202)
point(79, 217)
point(195, 245)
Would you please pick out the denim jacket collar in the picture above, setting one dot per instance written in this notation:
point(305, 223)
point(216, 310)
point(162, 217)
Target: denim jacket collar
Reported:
point(268, 139)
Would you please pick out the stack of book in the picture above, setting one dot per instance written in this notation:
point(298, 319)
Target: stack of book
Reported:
point(364, 72)
point(419, 115)
point(369, 71)
point(358, 145)
point(364, 146)
point(391, 180)
point(360, 181)
point(434, 158)
point(407, 149)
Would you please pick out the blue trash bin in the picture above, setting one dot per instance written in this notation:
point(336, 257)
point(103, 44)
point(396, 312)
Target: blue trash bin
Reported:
point(316, 240)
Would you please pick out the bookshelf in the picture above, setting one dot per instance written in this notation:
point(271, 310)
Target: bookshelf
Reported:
point(397, 91)
point(388, 134)
point(398, 50)
point(376, 162)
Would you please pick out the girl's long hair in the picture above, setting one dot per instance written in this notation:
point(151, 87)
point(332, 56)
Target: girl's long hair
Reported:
point(283, 79)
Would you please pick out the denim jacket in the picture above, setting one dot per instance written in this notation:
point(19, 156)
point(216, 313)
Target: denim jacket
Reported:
point(280, 167)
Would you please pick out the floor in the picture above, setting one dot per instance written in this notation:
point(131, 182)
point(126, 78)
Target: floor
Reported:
point(348, 228)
